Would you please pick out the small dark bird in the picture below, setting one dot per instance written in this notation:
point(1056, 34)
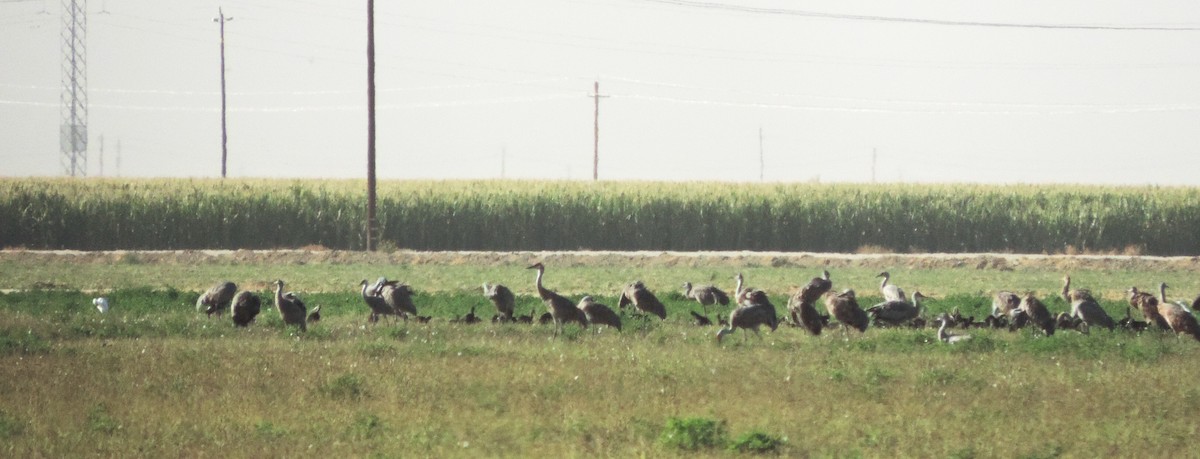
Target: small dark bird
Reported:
point(246, 306)
point(217, 299)
point(424, 319)
point(469, 318)
point(701, 321)
point(526, 319)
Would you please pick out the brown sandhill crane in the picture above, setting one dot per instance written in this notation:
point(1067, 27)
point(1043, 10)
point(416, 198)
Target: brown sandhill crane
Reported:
point(1038, 313)
point(706, 295)
point(754, 312)
point(1084, 307)
point(599, 314)
point(217, 299)
point(1148, 304)
point(561, 310)
point(379, 306)
point(891, 292)
point(1004, 302)
point(290, 308)
point(642, 299)
point(502, 298)
point(246, 306)
point(945, 336)
point(801, 304)
point(844, 307)
point(1177, 315)
point(897, 312)
point(399, 297)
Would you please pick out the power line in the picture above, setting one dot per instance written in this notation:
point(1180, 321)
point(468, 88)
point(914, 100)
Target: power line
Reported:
point(943, 22)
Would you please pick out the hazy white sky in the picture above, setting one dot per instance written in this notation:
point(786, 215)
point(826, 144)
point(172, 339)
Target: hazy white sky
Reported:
point(480, 88)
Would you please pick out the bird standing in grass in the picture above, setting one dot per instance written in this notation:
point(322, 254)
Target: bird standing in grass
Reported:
point(1148, 304)
point(1177, 315)
point(399, 297)
point(754, 312)
point(897, 312)
point(246, 306)
point(1003, 303)
point(844, 307)
point(599, 314)
point(947, 337)
point(642, 299)
point(290, 308)
point(378, 305)
point(1084, 307)
point(891, 292)
point(217, 299)
point(1038, 313)
point(503, 299)
point(561, 309)
point(801, 306)
point(706, 295)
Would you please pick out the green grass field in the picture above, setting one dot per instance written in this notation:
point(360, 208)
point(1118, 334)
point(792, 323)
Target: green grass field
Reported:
point(154, 378)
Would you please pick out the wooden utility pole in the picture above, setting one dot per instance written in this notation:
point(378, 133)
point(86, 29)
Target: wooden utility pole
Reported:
point(371, 242)
point(221, 18)
point(596, 138)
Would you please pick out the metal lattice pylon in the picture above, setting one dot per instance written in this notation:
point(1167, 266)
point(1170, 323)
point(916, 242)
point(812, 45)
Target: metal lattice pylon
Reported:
point(73, 137)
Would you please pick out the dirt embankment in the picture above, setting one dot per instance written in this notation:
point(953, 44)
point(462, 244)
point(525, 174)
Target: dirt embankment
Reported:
point(998, 261)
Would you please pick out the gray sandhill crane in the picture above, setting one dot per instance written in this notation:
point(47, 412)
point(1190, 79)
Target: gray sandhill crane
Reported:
point(945, 336)
point(290, 308)
point(1177, 315)
point(217, 299)
point(1004, 302)
point(599, 314)
point(754, 312)
point(1038, 314)
point(468, 318)
point(503, 299)
point(1148, 304)
point(844, 307)
point(706, 295)
point(1084, 307)
point(801, 306)
point(891, 292)
point(700, 320)
point(246, 306)
point(642, 299)
point(378, 305)
point(398, 296)
point(561, 309)
point(897, 312)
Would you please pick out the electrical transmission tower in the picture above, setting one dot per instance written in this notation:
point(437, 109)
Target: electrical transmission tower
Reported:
point(73, 137)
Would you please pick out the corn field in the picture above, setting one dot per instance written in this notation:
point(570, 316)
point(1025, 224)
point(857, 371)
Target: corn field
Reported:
point(104, 214)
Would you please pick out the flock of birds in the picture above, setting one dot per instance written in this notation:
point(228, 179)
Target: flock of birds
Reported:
point(387, 299)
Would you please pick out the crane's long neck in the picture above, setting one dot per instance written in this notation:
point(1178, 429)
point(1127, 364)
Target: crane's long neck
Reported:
point(279, 296)
point(1162, 293)
point(737, 291)
point(942, 332)
point(364, 289)
point(687, 289)
point(885, 281)
point(1066, 290)
point(541, 290)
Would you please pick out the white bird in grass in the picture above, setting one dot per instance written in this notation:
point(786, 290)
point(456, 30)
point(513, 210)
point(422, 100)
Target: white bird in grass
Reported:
point(947, 337)
point(101, 304)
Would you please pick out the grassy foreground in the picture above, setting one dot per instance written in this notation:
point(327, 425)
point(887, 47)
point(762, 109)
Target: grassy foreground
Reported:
point(153, 378)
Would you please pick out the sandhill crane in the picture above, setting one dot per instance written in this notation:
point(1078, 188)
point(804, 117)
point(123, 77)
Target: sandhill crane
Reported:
point(642, 299)
point(315, 315)
point(897, 312)
point(246, 306)
point(398, 297)
point(290, 308)
point(844, 307)
point(945, 336)
point(801, 304)
point(378, 305)
point(891, 292)
point(1085, 307)
point(101, 304)
point(1148, 304)
point(754, 312)
point(1177, 315)
point(502, 298)
point(599, 314)
point(561, 310)
point(1004, 302)
point(706, 295)
point(740, 293)
point(1017, 319)
point(216, 300)
point(1038, 314)
point(700, 321)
